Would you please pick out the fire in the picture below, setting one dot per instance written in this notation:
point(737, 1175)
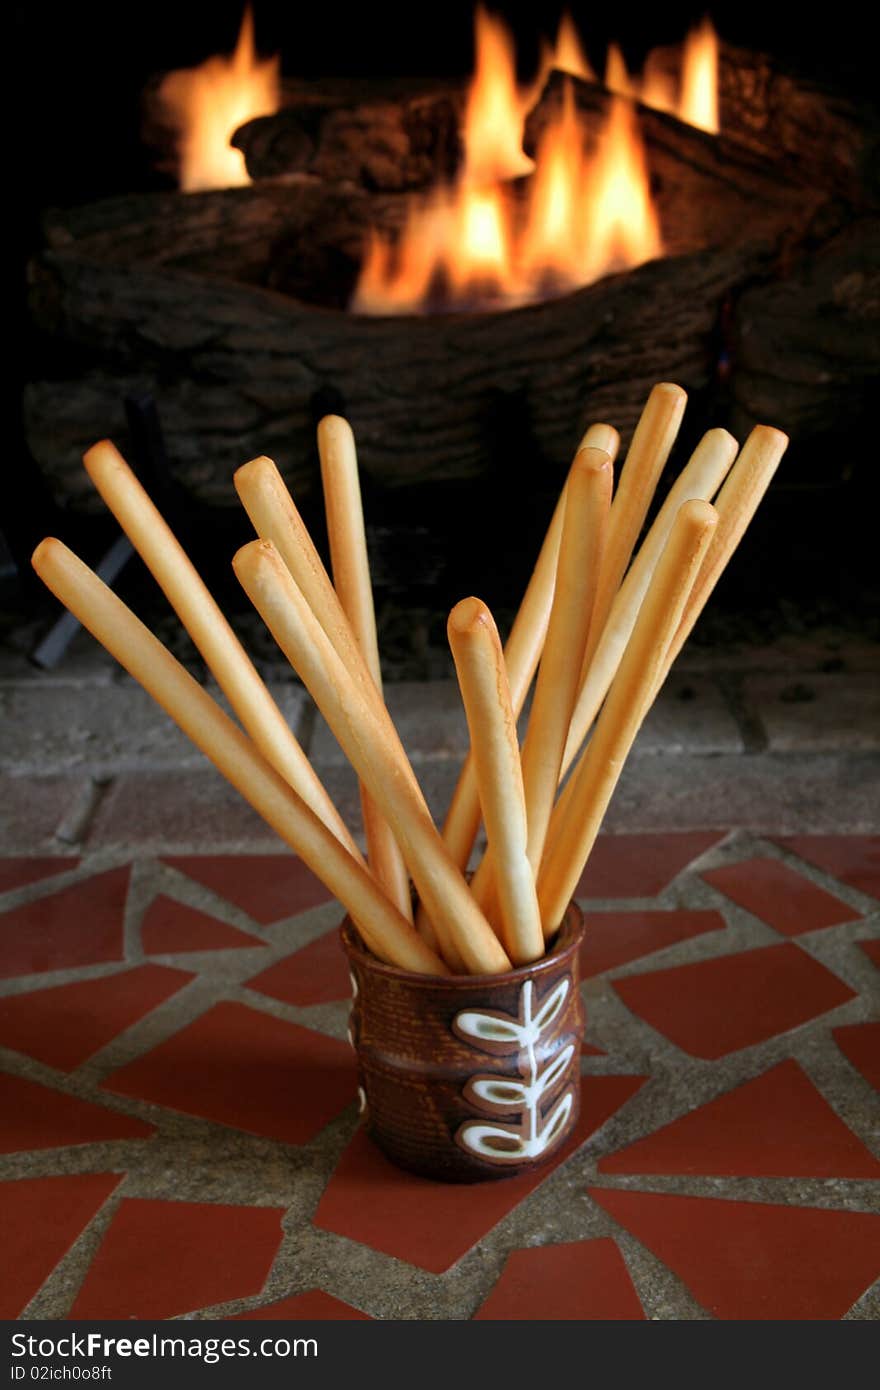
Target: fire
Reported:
point(569, 54)
point(495, 112)
point(699, 84)
point(207, 104)
point(581, 214)
point(693, 99)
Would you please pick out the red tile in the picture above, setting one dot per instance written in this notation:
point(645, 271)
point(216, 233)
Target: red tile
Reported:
point(159, 1259)
point(776, 1126)
point(246, 1069)
point(265, 886)
point(860, 1044)
point(40, 1219)
point(81, 925)
point(713, 1007)
point(780, 897)
point(318, 974)
point(15, 873)
point(614, 938)
point(588, 1050)
point(871, 950)
point(170, 926)
point(432, 1224)
point(585, 1281)
point(34, 1117)
point(854, 859)
point(64, 1025)
point(640, 866)
point(750, 1260)
point(314, 1306)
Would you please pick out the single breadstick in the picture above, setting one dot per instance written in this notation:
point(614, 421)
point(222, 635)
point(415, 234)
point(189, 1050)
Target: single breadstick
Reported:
point(737, 503)
point(701, 478)
point(346, 534)
point(479, 661)
point(522, 652)
point(385, 931)
point(575, 825)
point(351, 578)
point(651, 443)
point(588, 498)
point(234, 672)
point(374, 751)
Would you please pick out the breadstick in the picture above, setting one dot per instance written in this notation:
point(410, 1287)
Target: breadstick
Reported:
point(651, 443)
point(351, 578)
point(588, 498)
point(575, 825)
point(701, 477)
point(479, 661)
point(374, 751)
point(522, 652)
point(169, 564)
point(737, 503)
point(386, 933)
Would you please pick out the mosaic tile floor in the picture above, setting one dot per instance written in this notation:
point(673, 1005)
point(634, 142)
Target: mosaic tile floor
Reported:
point(178, 1122)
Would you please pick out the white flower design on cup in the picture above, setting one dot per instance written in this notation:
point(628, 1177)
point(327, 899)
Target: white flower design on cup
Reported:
point(534, 1132)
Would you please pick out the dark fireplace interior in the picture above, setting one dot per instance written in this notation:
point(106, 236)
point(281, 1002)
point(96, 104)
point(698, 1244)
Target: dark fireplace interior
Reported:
point(807, 562)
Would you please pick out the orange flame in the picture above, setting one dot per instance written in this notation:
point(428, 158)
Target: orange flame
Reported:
point(495, 113)
point(207, 104)
point(699, 83)
point(697, 100)
point(581, 214)
point(569, 54)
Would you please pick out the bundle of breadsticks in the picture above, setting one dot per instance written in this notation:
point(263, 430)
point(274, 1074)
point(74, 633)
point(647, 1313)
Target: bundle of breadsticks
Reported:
point(602, 620)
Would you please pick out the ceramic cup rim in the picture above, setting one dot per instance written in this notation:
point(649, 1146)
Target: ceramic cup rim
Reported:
point(563, 945)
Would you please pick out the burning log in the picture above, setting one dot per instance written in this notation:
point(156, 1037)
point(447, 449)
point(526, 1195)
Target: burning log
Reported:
point(709, 189)
point(817, 382)
point(341, 132)
point(301, 236)
point(424, 393)
point(408, 139)
point(820, 135)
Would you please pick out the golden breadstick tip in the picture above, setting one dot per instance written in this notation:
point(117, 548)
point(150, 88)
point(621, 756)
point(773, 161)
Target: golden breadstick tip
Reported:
point(479, 661)
point(387, 934)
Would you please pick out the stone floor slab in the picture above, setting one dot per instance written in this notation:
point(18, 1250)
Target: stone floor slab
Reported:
point(188, 1257)
point(817, 712)
point(585, 1281)
point(785, 900)
point(713, 1007)
point(753, 1260)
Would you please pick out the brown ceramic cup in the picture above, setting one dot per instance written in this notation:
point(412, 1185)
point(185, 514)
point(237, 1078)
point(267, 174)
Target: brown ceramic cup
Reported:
point(469, 1077)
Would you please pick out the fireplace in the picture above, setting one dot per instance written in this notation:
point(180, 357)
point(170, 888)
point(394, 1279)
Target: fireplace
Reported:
point(248, 312)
